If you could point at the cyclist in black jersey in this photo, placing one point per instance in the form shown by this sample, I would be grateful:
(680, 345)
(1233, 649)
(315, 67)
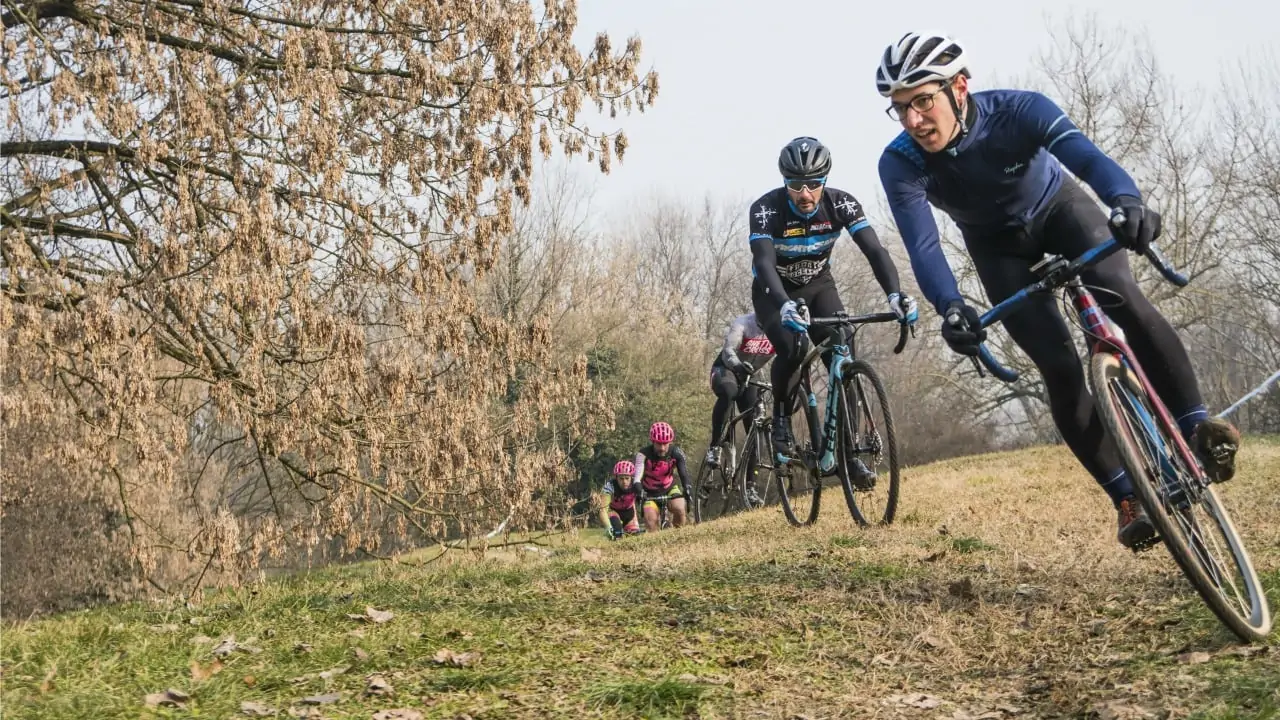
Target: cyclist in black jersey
(793, 229)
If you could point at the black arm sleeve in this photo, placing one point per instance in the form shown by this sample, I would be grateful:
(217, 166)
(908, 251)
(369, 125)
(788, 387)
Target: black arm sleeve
(682, 470)
(881, 261)
(765, 261)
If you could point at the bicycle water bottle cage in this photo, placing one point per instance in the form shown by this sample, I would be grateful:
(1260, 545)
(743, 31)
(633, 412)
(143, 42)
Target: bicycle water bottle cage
(1049, 266)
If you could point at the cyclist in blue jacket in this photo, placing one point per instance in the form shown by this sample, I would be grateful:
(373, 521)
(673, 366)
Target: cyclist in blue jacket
(993, 161)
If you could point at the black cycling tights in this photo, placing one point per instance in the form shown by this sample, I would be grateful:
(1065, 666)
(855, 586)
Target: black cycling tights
(823, 300)
(727, 389)
(1070, 225)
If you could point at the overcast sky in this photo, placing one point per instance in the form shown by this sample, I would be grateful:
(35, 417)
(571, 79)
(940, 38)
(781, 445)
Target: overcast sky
(739, 78)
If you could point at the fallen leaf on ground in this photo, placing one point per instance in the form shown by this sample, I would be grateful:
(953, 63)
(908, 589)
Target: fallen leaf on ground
(256, 709)
(302, 648)
(168, 698)
(378, 685)
(306, 713)
(200, 673)
(397, 714)
(591, 554)
(334, 672)
(166, 628)
(373, 615)
(445, 656)
(360, 654)
(226, 647)
(1194, 658)
(934, 557)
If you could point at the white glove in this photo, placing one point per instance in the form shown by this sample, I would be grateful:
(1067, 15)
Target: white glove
(904, 306)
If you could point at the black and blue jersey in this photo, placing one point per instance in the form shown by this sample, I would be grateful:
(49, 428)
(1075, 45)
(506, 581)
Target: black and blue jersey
(803, 243)
(1001, 174)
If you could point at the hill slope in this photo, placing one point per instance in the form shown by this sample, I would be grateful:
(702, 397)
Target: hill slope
(1000, 593)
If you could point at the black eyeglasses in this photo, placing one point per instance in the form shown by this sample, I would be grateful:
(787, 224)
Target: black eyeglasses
(919, 103)
(800, 184)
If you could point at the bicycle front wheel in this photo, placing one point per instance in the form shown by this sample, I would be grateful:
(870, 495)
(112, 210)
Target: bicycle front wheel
(1183, 507)
(866, 436)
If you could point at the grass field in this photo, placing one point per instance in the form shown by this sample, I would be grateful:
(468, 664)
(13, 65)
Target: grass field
(999, 593)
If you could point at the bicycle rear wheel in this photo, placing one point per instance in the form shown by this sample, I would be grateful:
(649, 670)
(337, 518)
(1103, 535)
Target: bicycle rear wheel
(1184, 509)
(799, 486)
(866, 433)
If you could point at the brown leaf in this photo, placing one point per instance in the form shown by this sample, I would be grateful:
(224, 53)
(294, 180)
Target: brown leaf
(934, 557)
(378, 685)
(372, 615)
(326, 699)
(201, 673)
(166, 628)
(226, 647)
(360, 654)
(169, 698)
(445, 656)
(256, 709)
(302, 648)
(379, 616)
(398, 714)
(1194, 658)
(334, 672)
(250, 680)
(591, 555)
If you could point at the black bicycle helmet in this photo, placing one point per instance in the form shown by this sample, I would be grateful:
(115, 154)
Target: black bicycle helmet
(804, 158)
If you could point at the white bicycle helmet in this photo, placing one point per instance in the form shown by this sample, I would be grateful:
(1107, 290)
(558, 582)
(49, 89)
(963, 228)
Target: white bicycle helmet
(919, 58)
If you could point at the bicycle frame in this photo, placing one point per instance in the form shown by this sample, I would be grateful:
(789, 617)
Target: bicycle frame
(1056, 272)
(825, 443)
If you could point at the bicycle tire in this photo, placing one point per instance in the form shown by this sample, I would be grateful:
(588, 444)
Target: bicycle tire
(1128, 428)
(753, 470)
(698, 501)
(788, 475)
(883, 438)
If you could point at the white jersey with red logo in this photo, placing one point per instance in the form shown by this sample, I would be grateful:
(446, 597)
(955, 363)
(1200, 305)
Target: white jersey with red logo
(746, 342)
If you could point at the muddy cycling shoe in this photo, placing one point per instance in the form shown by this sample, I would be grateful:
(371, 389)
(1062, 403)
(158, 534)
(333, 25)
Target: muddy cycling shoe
(1134, 529)
(713, 457)
(783, 440)
(863, 477)
(1215, 442)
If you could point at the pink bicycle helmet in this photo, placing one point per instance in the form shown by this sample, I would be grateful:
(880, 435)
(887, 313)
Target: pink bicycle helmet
(662, 433)
(624, 467)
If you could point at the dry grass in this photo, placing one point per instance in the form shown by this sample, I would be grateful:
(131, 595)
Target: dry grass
(1000, 593)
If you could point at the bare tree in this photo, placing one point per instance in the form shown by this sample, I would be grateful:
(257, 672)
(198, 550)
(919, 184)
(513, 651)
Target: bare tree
(241, 240)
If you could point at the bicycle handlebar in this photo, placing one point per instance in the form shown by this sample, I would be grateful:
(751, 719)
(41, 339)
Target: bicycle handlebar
(1090, 257)
(881, 317)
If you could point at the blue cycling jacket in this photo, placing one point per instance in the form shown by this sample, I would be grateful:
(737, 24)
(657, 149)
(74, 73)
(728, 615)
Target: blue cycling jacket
(999, 176)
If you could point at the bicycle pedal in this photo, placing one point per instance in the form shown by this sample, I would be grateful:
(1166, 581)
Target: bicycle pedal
(1147, 544)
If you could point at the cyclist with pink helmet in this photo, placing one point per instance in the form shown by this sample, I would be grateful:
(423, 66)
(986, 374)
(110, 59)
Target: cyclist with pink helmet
(657, 465)
(623, 494)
